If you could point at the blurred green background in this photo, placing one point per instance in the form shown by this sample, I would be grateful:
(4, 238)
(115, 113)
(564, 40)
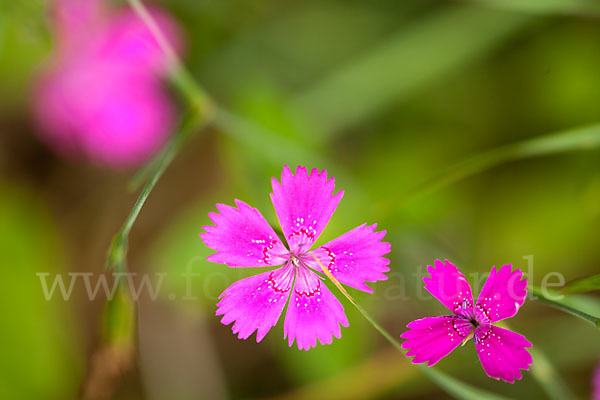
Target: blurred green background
(387, 96)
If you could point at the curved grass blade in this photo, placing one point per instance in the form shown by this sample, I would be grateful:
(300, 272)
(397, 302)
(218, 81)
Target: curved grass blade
(117, 254)
(179, 75)
(584, 8)
(583, 285)
(576, 139)
(539, 295)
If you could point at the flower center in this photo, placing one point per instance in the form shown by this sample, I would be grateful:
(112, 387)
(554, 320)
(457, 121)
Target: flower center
(295, 260)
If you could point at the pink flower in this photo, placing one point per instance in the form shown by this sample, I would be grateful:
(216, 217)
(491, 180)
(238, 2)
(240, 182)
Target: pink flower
(501, 352)
(101, 96)
(243, 238)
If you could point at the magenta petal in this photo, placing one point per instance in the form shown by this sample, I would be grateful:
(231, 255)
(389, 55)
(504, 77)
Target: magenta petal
(304, 204)
(125, 127)
(502, 352)
(502, 295)
(118, 120)
(355, 257)
(255, 303)
(433, 338)
(128, 40)
(313, 313)
(242, 238)
(450, 287)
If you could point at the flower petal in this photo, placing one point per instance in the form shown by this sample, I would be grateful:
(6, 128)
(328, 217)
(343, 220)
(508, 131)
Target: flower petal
(304, 204)
(314, 312)
(130, 41)
(502, 352)
(433, 338)
(450, 287)
(242, 238)
(355, 257)
(502, 295)
(122, 127)
(255, 303)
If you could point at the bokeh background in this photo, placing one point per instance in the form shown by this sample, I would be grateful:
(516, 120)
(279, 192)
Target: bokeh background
(387, 96)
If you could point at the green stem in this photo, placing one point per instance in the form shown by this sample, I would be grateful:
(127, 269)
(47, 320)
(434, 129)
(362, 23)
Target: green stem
(379, 328)
(118, 251)
(199, 115)
(180, 77)
(539, 295)
(582, 285)
(544, 7)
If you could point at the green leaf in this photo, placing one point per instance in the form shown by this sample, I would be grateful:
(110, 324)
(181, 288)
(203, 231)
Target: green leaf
(583, 285)
(543, 296)
(576, 7)
(575, 139)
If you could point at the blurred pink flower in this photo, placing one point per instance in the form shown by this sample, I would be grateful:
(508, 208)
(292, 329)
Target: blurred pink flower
(101, 95)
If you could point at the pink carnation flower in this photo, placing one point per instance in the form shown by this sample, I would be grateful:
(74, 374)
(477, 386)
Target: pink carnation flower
(502, 352)
(243, 238)
(101, 96)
